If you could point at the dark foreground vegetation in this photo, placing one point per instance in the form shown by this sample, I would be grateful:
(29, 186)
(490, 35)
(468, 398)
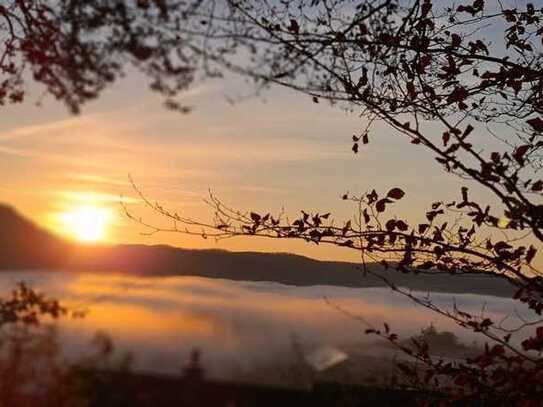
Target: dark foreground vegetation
(145, 391)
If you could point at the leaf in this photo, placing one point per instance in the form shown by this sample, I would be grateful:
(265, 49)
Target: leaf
(365, 139)
(396, 193)
(446, 137)
(401, 225)
(468, 130)
(495, 157)
(411, 90)
(530, 254)
(464, 194)
(502, 246)
(372, 196)
(537, 186)
(536, 123)
(346, 228)
(381, 205)
(315, 99)
(347, 243)
(294, 26)
(390, 225)
(520, 152)
(455, 40)
(497, 350)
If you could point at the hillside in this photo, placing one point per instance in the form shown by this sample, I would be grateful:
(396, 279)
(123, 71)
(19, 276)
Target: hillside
(25, 246)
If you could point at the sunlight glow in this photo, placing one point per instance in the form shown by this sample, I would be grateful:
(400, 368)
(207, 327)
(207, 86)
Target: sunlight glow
(87, 223)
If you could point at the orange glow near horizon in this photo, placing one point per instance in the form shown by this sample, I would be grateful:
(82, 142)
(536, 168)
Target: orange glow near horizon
(87, 223)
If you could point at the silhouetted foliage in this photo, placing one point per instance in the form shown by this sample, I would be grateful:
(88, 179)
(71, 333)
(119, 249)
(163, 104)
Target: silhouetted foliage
(463, 81)
(75, 49)
(26, 306)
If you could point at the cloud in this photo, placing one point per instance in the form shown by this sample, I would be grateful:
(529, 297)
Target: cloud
(93, 179)
(93, 197)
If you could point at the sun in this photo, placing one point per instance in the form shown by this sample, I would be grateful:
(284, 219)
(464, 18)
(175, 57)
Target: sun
(87, 223)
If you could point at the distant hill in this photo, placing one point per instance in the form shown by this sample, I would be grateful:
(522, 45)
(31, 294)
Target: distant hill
(25, 246)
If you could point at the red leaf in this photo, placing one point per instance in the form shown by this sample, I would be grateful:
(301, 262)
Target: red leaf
(390, 225)
(537, 186)
(294, 26)
(536, 123)
(468, 130)
(530, 254)
(366, 216)
(520, 152)
(401, 225)
(455, 40)
(446, 137)
(396, 193)
(380, 205)
(412, 93)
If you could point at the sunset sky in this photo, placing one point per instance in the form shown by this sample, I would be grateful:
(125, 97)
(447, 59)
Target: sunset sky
(262, 153)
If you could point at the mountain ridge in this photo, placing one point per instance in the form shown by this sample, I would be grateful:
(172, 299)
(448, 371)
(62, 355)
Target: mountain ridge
(23, 246)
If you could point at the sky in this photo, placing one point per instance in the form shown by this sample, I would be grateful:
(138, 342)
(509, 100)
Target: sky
(263, 153)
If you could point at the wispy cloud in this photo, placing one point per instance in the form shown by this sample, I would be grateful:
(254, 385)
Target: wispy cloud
(93, 179)
(92, 197)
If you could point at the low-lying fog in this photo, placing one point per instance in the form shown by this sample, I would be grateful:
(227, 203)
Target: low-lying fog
(236, 325)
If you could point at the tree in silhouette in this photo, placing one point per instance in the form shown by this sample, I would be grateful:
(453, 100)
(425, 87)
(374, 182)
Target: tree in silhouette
(464, 82)
(76, 49)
